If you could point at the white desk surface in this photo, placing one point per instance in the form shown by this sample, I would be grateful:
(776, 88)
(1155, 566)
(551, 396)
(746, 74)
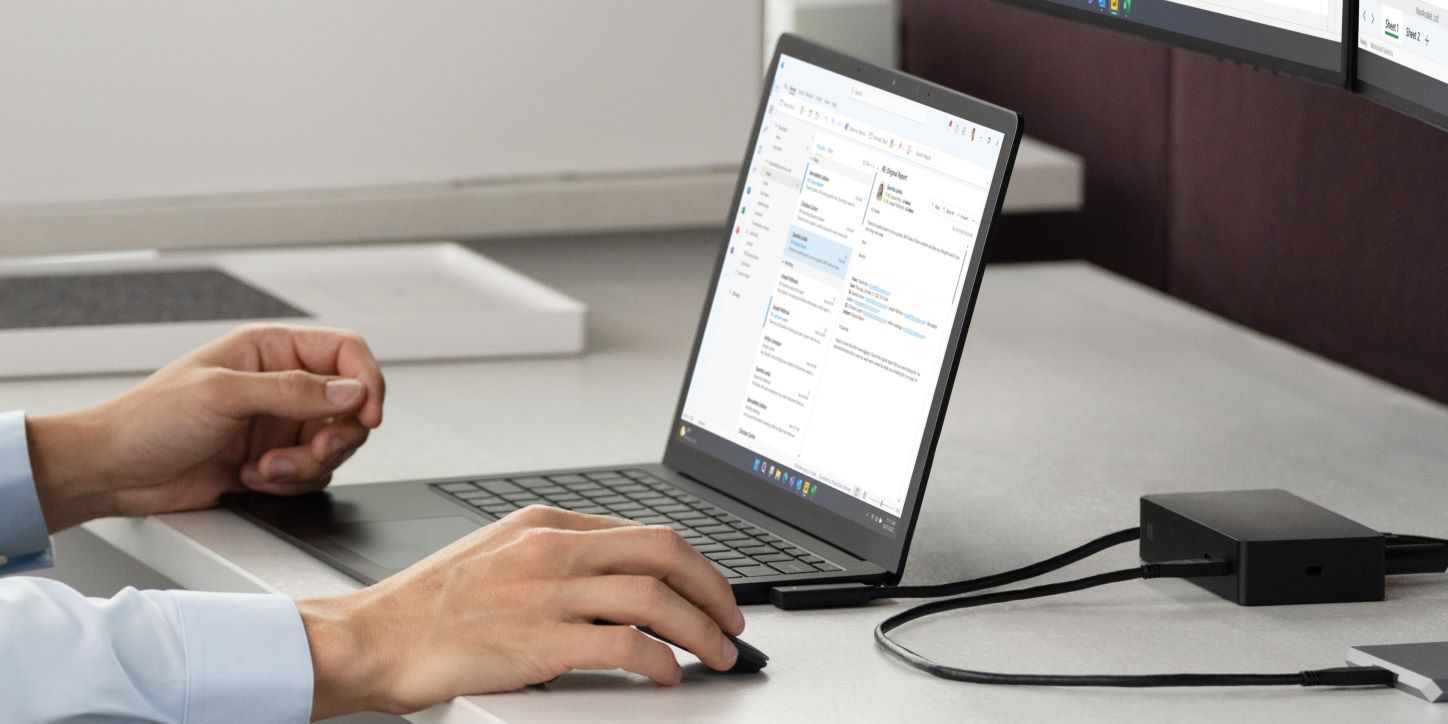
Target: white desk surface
(1078, 392)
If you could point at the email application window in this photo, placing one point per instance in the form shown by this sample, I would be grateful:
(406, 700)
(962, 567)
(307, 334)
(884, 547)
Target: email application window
(843, 278)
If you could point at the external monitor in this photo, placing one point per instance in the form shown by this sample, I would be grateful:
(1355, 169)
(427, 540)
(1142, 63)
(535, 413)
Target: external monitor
(1402, 56)
(1300, 37)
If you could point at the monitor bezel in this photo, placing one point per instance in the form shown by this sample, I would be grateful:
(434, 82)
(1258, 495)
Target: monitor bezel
(1260, 61)
(877, 547)
(1390, 99)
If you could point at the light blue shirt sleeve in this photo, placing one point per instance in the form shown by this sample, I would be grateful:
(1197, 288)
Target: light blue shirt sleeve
(162, 656)
(24, 542)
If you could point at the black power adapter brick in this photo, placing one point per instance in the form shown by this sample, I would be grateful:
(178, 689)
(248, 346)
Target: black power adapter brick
(1281, 549)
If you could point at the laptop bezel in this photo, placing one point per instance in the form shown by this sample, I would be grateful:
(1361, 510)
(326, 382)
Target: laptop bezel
(878, 548)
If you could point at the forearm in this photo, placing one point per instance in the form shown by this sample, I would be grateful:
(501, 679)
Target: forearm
(150, 656)
(64, 451)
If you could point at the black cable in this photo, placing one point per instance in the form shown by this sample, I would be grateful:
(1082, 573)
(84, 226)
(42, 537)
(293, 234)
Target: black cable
(1414, 554)
(1350, 676)
(1020, 574)
(830, 595)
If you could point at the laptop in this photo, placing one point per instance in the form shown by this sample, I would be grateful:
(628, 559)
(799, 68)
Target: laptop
(823, 362)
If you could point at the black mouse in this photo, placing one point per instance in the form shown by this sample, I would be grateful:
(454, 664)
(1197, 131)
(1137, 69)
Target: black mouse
(750, 660)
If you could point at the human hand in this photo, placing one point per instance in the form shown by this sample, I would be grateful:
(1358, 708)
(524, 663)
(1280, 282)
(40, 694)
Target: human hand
(515, 604)
(271, 408)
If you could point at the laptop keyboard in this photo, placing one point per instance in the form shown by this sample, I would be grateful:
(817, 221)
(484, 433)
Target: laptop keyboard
(738, 548)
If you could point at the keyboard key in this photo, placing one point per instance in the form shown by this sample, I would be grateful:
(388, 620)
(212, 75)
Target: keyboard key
(457, 487)
(827, 566)
(740, 561)
(673, 508)
(728, 573)
(792, 567)
(499, 486)
(712, 529)
(811, 559)
(565, 498)
(474, 493)
(569, 478)
(516, 494)
(629, 488)
(636, 474)
(525, 502)
(678, 527)
(652, 500)
(786, 548)
(771, 538)
(655, 520)
(726, 537)
(774, 558)
(503, 509)
(610, 499)
(532, 482)
(484, 503)
(690, 517)
(592, 510)
(711, 548)
(550, 490)
(724, 556)
(752, 571)
(627, 508)
(604, 475)
(755, 550)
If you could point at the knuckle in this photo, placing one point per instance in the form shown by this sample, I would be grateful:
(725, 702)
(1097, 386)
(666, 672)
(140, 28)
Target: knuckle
(627, 645)
(293, 383)
(535, 514)
(660, 535)
(544, 540)
(650, 592)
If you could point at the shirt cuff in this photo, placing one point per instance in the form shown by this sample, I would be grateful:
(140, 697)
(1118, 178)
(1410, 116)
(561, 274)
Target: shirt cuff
(24, 540)
(246, 660)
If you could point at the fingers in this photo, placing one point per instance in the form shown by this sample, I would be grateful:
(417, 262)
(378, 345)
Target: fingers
(660, 553)
(646, 601)
(293, 394)
(330, 444)
(322, 351)
(542, 516)
(587, 646)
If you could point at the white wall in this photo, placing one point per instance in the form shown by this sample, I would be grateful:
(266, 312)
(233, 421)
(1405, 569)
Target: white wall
(113, 106)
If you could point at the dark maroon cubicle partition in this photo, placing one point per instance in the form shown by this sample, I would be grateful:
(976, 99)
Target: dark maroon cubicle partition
(1297, 209)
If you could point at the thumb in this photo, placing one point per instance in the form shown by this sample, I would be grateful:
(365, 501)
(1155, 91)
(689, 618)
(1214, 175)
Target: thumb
(293, 394)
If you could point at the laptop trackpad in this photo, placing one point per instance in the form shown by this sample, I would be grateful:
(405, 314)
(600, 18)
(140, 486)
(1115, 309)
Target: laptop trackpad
(397, 544)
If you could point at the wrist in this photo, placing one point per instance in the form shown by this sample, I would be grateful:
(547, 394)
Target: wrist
(67, 452)
(346, 671)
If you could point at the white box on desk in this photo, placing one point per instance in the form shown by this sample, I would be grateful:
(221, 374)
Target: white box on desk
(432, 301)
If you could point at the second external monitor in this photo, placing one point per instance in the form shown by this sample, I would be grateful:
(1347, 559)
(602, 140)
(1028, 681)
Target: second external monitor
(1402, 56)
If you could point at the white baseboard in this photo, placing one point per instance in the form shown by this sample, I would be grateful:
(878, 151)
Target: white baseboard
(502, 207)
(1046, 179)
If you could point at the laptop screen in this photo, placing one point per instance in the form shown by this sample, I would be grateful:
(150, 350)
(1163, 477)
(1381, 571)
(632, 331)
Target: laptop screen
(831, 318)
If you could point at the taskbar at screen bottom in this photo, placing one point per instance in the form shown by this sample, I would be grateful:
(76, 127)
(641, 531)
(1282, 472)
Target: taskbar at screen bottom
(769, 472)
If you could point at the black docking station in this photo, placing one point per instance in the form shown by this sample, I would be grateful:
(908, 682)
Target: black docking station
(1282, 549)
